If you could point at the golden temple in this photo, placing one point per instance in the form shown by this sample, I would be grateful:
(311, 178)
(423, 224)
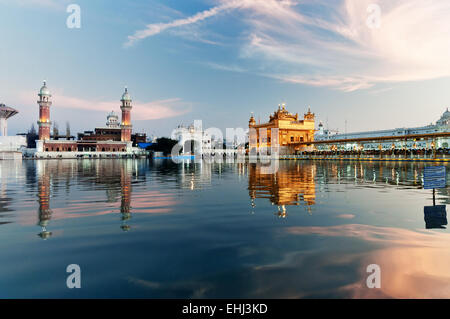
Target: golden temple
(291, 132)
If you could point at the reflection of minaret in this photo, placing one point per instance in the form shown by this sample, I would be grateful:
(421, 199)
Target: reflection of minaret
(45, 212)
(125, 183)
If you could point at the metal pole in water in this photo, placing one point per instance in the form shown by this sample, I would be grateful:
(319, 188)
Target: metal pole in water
(434, 197)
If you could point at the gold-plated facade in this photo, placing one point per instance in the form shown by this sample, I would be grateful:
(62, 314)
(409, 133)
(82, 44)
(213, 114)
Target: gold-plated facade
(292, 132)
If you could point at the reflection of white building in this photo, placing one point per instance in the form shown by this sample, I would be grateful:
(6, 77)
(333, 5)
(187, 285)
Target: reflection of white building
(442, 125)
(192, 139)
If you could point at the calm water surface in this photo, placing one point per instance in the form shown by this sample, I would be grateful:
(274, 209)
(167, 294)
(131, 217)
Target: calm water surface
(165, 230)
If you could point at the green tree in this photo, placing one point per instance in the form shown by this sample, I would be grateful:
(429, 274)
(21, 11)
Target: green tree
(164, 145)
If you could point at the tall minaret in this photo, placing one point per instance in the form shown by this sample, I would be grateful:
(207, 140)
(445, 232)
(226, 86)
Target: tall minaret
(44, 113)
(252, 121)
(126, 117)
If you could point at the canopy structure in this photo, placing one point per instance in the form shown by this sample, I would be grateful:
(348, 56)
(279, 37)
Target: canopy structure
(5, 113)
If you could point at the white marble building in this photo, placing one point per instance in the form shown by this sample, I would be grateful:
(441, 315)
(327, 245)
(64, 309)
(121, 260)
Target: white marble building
(192, 139)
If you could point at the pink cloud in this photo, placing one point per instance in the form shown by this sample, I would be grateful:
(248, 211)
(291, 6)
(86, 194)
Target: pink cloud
(346, 216)
(141, 110)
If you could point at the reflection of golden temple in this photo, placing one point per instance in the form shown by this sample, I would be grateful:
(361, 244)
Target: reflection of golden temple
(290, 185)
(282, 211)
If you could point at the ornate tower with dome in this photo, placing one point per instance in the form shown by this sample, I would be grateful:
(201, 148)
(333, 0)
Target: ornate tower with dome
(44, 122)
(252, 121)
(445, 119)
(113, 140)
(112, 120)
(126, 116)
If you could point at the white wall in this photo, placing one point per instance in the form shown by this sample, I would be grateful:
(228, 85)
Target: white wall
(12, 143)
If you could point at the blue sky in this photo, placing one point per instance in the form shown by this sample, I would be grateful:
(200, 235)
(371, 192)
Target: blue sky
(219, 60)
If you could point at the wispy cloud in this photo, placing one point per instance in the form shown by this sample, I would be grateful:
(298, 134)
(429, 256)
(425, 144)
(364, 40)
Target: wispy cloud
(223, 67)
(225, 6)
(141, 110)
(329, 43)
(346, 83)
(153, 29)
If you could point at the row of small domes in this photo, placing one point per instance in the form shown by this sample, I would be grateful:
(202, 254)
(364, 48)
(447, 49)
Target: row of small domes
(46, 92)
